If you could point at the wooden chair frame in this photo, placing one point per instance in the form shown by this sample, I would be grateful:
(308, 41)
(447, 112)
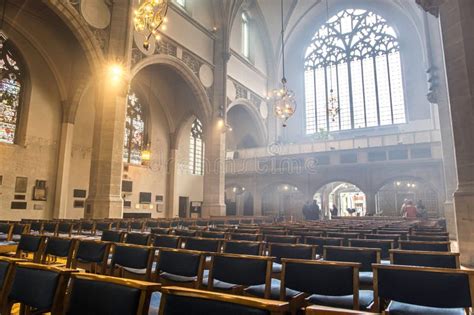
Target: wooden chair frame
(260, 250)
(123, 273)
(93, 265)
(239, 289)
(273, 307)
(376, 267)
(417, 252)
(146, 288)
(36, 255)
(195, 284)
(427, 243)
(44, 256)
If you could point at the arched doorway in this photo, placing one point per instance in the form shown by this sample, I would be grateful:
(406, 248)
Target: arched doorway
(349, 199)
(248, 130)
(282, 200)
(390, 197)
(238, 201)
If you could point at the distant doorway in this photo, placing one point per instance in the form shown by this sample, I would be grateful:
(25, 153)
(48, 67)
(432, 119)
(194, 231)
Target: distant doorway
(183, 207)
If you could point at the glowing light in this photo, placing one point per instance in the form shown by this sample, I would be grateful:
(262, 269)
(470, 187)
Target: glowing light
(116, 72)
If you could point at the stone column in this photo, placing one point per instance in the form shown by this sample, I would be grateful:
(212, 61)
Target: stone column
(172, 175)
(458, 39)
(64, 163)
(214, 170)
(104, 200)
(371, 207)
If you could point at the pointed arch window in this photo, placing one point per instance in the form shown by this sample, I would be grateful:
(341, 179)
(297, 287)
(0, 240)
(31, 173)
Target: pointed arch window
(135, 131)
(245, 35)
(11, 91)
(196, 149)
(361, 52)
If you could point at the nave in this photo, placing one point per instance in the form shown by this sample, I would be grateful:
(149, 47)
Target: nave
(262, 265)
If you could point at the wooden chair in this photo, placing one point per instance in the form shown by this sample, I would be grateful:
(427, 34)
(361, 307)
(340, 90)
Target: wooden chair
(245, 237)
(426, 246)
(243, 247)
(58, 247)
(102, 226)
(94, 294)
(423, 258)
(326, 310)
(233, 273)
(64, 229)
(7, 265)
(132, 261)
(321, 242)
(384, 245)
(428, 238)
(282, 239)
(167, 241)
(393, 237)
(345, 236)
(180, 267)
(203, 244)
(365, 256)
(91, 256)
(177, 300)
(422, 290)
(36, 227)
(87, 228)
(160, 231)
(296, 251)
(185, 233)
(38, 288)
(327, 283)
(50, 228)
(137, 226)
(30, 244)
(18, 230)
(6, 231)
(138, 238)
(208, 234)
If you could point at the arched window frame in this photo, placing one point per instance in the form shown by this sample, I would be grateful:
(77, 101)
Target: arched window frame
(13, 69)
(345, 50)
(181, 3)
(245, 35)
(196, 148)
(135, 121)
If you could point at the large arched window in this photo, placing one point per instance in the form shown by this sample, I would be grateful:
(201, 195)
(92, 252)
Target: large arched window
(135, 131)
(196, 149)
(359, 53)
(245, 35)
(11, 90)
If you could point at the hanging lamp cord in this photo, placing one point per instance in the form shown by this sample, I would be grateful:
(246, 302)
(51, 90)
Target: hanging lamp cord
(283, 79)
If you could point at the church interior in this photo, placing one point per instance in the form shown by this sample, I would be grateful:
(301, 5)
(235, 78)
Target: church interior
(236, 156)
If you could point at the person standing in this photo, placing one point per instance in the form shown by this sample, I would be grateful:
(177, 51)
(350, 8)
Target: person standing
(334, 211)
(307, 210)
(410, 210)
(402, 209)
(421, 210)
(315, 211)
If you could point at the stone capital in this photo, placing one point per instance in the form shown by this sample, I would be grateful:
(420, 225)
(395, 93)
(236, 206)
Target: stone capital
(431, 6)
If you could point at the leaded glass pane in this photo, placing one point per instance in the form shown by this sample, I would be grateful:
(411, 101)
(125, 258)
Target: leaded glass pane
(134, 140)
(196, 148)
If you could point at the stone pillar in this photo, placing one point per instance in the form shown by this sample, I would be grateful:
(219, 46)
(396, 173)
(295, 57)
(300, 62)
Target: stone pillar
(214, 170)
(458, 39)
(370, 203)
(104, 200)
(172, 175)
(438, 94)
(257, 202)
(62, 177)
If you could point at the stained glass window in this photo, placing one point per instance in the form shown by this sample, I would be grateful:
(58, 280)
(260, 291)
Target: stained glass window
(196, 149)
(11, 88)
(245, 35)
(355, 54)
(135, 131)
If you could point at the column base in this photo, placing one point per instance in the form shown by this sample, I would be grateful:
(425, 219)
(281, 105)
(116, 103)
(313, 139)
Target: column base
(211, 210)
(104, 208)
(464, 207)
(450, 217)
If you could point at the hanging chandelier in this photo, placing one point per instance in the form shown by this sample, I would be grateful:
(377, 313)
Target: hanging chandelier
(284, 98)
(149, 17)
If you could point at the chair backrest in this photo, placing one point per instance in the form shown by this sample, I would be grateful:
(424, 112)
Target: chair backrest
(321, 242)
(132, 256)
(111, 295)
(102, 226)
(345, 236)
(37, 286)
(321, 277)
(59, 247)
(19, 229)
(244, 270)
(36, 226)
(273, 232)
(365, 256)
(168, 241)
(245, 236)
(203, 244)
(440, 287)
(65, 228)
(186, 263)
(6, 229)
(426, 246)
(427, 259)
(112, 236)
(177, 300)
(7, 265)
(296, 251)
(92, 253)
(208, 234)
(161, 231)
(429, 238)
(50, 228)
(31, 244)
(136, 226)
(243, 247)
(124, 225)
(182, 232)
(384, 245)
(282, 239)
(138, 239)
(87, 227)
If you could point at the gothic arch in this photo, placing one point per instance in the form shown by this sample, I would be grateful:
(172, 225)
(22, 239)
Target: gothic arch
(254, 114)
